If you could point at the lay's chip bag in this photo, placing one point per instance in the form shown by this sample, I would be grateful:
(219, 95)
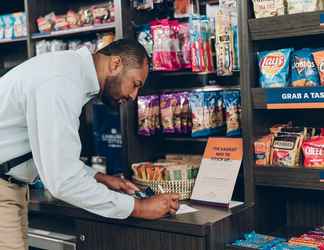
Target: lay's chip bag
(303, 69)
(274, 68)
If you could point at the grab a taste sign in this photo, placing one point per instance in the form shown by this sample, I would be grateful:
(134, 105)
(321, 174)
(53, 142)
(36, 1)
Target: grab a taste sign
(295, 98)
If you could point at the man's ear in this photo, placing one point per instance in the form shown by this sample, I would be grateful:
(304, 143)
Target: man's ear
(115, 65)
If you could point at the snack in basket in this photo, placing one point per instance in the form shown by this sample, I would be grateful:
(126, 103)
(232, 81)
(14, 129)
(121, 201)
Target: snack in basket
(274, 68)
(319, 61)
(268, 8)
(304, 72)
(313, 150)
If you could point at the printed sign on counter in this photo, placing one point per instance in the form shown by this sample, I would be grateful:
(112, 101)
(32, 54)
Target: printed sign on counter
(295, 98)
(218, 171)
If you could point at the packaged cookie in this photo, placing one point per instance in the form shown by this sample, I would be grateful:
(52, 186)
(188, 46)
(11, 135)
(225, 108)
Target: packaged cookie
(313, 150)
(196, 100)
(274, 68)
(232, 102)
(285, 151)
(268, 8)
(319, 61)
(303, 71)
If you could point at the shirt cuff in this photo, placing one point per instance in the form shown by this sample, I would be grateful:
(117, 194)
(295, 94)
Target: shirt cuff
(125, 206)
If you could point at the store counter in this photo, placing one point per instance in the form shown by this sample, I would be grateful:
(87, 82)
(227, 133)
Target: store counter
(208, 228)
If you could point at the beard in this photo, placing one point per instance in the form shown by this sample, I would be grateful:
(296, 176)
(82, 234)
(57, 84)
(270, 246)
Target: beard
(111, 94)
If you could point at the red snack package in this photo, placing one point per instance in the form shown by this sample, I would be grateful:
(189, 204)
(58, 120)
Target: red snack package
(313, 149)
(166, 45)
(61, 23)
(73, 19)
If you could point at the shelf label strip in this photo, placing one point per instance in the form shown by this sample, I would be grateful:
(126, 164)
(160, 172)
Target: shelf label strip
(295, 98)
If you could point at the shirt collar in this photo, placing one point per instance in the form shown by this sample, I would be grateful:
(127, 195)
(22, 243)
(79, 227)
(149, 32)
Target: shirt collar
(91, 83)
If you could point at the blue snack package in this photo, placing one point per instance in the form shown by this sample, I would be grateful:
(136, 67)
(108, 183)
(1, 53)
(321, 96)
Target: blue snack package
(213, 112)
(303, 69)
(274, 68)
(196, 103)
(287, 246)
(258, 241)
(232, 103)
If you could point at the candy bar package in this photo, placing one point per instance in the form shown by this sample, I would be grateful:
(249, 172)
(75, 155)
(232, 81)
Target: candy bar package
(184, 42)
(258, 241)
(144, 37)
(196, 100)
(274, 68)
(319, 61)
(304, 71)
(183, 8)
(166, 49)
(232, 100)
(268, 8)
(213, 112)
(313, 150)
(301, 6)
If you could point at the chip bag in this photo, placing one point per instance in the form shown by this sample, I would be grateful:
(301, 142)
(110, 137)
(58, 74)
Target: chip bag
(304, 72)
(274, 68)
(319, 61)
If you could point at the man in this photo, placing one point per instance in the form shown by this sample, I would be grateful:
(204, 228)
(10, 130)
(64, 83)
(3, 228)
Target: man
(40, 105)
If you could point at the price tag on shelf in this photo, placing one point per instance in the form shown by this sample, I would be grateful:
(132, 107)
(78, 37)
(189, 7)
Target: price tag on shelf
(295, 98)
(218, 171)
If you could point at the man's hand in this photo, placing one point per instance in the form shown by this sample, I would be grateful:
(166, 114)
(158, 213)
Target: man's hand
(116, 183)
(156, 207)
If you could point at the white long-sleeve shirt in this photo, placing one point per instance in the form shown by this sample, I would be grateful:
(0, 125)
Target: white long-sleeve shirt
(40, 105)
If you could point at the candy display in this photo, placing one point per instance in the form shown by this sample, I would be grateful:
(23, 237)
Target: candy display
(304, 72)
(13, 26)
(93, 15)
(274, 68)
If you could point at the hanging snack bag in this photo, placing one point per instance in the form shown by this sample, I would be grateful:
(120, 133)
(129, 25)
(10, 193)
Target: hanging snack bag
(186, 123)
(184, 41)
(319, 61)
(313, 150)
(168, 103)
(143, 115)
(196, 43)
(268, 8)
(232, 102)
(213, 112)
(274, 68)
(304, 71)
(144, 37)
(196, 100)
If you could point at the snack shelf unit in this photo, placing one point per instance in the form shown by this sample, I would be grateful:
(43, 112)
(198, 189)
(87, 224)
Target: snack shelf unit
(20, 39)
(283, 197)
